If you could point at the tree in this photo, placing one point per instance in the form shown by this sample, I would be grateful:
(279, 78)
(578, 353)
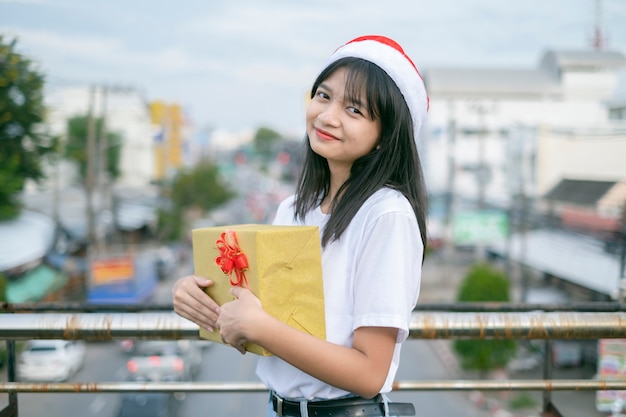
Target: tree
(484, 283)
(622, 237)
(199, 188)
(3, 287)
(3, 297)
(23, 144)
(264, 140)
(76, 147)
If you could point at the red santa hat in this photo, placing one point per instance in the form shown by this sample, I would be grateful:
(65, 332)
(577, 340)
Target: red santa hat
(390, 57)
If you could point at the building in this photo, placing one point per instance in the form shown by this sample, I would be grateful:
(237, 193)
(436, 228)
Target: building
(595, 207)
(125, 112)
(617, 108)
(490, 130)
(171, 131)
(528, 142)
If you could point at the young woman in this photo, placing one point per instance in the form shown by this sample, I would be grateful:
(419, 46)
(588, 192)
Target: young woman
(362, 184)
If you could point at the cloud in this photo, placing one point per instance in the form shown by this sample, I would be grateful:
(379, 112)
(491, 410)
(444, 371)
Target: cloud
(238, 63)
(26, 1)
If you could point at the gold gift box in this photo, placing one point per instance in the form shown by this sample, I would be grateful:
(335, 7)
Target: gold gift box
(284, 272)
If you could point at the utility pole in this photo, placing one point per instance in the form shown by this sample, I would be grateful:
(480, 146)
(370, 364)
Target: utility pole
(449, 219)
(89, 187)
(56, 190)
(599, 40)
(523, 246)
(91, 174)
(622, 264)
(482, 173)
(103, 146)
(522, 201)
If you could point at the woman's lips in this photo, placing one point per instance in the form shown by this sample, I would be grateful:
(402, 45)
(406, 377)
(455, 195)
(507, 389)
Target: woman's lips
(324, 135)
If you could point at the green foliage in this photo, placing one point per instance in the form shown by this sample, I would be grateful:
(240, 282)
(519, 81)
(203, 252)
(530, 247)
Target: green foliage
(22, 144)
(522, 401)
(484, 283)
(3, 298)
(10, 186)
(3, 287)
(170, 224)
(76, 147)
(200, 187)
(264, 140)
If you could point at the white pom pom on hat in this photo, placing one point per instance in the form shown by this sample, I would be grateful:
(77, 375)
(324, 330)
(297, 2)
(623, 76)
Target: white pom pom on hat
(390, 57)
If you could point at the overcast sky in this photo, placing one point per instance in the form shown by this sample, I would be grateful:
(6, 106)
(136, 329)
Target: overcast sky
(248, 63)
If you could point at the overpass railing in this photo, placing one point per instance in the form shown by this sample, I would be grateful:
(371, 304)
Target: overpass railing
(586, 321)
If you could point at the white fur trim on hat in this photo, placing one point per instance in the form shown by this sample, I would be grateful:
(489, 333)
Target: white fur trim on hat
(390, 57)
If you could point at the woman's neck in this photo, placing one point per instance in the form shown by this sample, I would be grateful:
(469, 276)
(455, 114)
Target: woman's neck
(337, 179)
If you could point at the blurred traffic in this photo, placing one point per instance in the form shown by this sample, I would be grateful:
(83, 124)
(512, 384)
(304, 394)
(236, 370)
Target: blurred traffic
(524, 167)
(50, 360)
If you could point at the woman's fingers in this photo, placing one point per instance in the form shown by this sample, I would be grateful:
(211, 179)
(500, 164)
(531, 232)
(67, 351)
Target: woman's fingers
(191, 302)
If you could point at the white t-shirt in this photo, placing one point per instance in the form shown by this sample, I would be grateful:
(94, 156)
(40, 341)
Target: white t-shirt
(371, 277)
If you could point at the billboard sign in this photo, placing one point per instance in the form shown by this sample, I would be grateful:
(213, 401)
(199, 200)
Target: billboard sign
(480, 227)
(611, 367)
(111, 270)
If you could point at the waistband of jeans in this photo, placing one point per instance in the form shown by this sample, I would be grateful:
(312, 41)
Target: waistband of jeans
(344, 407)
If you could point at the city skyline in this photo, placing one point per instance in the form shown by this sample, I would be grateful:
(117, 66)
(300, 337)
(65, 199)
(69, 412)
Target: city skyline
(247, 64)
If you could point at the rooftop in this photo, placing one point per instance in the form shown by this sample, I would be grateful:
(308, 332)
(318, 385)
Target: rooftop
(574, 258)
(25, 239)
(580, 192)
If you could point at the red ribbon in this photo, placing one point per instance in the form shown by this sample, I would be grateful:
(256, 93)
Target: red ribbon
(231, 259)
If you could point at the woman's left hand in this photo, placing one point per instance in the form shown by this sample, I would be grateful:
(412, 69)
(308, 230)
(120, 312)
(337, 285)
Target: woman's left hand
(238, 318)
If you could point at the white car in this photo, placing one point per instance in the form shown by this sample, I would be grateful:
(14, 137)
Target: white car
(50, 360)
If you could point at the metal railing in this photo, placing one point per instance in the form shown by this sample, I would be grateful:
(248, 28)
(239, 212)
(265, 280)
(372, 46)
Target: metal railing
(458, 321)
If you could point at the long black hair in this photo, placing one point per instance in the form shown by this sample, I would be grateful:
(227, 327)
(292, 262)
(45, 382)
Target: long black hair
(394, 163)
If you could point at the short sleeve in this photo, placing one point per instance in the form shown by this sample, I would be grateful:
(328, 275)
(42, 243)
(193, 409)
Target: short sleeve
(388, 272)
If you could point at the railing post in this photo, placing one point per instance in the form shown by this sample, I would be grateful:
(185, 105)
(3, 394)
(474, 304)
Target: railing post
(549, 410)
(11, 409)
(89, 323)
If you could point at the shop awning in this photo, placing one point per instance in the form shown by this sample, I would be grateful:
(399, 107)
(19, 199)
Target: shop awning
(35, 285)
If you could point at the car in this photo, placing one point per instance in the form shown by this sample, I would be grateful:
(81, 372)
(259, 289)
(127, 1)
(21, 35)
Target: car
(524, 363)
(50, 360)
(567, 353)
(166, 263)
(564, 353)
(203, 343)
(152, 404)
(128, 345)
(164, 360)
(526, 358)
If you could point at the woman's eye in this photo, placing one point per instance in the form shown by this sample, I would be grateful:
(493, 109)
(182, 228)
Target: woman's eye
(323, 95)
(354, 110)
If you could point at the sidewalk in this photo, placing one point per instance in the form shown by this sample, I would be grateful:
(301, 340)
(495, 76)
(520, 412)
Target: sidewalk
(441, 278)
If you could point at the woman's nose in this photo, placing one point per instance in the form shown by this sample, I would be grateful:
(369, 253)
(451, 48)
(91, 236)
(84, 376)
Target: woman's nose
(329, 115)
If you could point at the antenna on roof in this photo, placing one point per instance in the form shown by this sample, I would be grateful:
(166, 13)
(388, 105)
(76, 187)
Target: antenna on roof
(599, 40)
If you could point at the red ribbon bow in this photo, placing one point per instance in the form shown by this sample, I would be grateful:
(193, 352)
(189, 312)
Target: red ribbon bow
(232, 259)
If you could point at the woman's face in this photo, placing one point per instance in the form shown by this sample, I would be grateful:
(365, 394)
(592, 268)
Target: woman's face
(339, 129)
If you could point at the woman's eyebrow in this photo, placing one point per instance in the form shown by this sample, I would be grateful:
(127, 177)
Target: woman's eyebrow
(324, 86)
(355, 101)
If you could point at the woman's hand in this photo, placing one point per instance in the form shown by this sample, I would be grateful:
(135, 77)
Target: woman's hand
(239, 318)
(191, 302)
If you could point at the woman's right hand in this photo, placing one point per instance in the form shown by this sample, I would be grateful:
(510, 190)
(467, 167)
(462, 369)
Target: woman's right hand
(191, 302)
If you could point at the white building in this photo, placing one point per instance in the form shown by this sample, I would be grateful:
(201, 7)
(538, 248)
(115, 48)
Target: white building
(494, 133)
(62, 196)
(125, 112)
